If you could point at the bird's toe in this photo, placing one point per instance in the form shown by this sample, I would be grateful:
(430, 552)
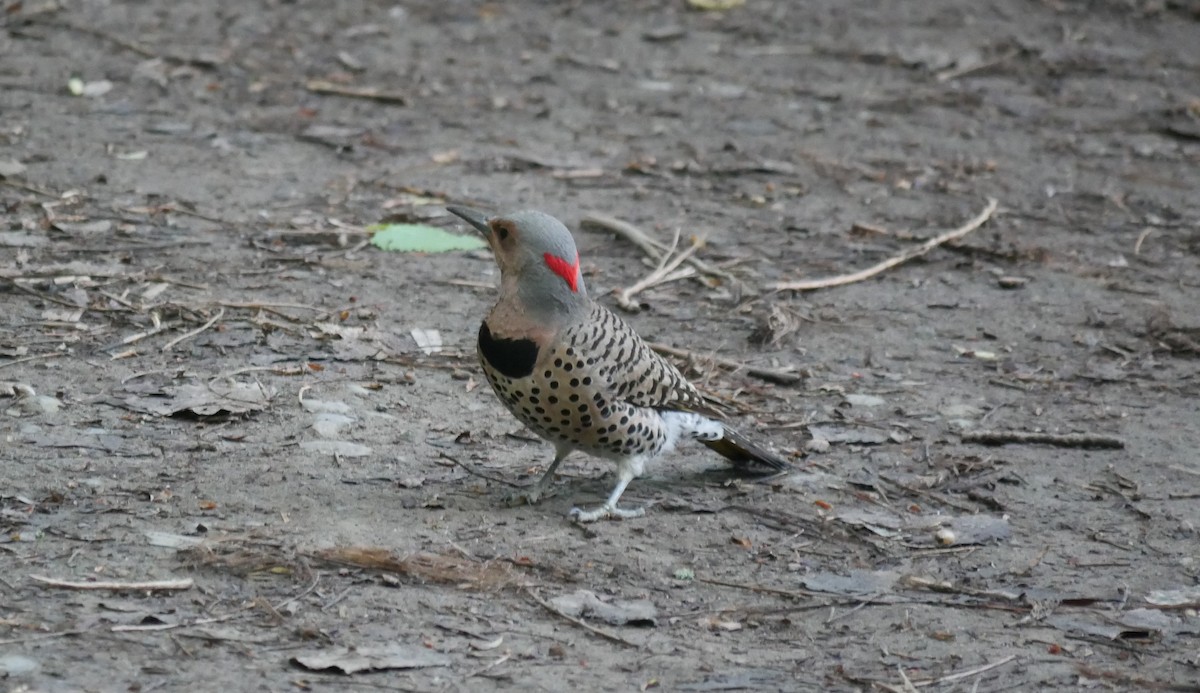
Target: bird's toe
(605, 512)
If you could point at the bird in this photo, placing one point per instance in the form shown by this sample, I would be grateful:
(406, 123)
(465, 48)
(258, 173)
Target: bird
(578, 375)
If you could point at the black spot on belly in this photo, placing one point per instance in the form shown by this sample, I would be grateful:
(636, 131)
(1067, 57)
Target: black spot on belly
(513, 358)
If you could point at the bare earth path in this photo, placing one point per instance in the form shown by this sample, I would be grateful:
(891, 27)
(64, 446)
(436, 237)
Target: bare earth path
(209, 381)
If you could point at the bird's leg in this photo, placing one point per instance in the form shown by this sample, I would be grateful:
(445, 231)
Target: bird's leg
(626, 472)
(530, 495)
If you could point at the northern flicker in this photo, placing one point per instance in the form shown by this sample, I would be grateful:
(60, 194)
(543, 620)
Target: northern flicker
(579, 376)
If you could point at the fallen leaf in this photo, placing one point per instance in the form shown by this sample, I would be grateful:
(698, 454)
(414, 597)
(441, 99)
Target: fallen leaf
(418, 238)
(856, 582)
(1174, 598)
(428, 341)
(715, 5)
(11, 167)
(636, 612)
(201, 400)
(854, 435)
(342, 448)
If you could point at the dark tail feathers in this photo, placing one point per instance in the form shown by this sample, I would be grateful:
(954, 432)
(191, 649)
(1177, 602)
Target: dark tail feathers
(734, 447)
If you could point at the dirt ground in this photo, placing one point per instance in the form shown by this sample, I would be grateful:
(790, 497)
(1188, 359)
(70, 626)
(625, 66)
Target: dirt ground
(209, 381)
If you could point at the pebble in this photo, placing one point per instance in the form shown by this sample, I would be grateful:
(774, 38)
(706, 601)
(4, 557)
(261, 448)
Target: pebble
(17, 665)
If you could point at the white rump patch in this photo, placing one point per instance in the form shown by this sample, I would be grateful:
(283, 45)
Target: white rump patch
(682, 424)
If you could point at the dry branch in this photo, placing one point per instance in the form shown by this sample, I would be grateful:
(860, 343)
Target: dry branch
(654, 249)
(148, 586)
(192, 333)
(843, 279)
(667, 271)
(1062, 440)
(318, 86)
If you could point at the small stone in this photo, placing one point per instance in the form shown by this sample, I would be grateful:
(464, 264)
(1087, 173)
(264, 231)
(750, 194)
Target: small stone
(17, 665)
(1008, 282)
(817, 445)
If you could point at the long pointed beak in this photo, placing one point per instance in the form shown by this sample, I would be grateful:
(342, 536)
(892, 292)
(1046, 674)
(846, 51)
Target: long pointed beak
(473, 217)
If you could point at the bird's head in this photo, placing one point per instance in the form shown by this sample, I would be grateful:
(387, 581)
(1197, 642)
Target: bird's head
(536, 254)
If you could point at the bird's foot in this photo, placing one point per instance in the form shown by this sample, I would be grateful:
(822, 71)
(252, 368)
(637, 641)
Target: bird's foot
(530, 495)
(605, 512)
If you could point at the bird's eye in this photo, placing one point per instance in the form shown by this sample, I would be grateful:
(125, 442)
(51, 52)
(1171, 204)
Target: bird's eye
(502, 233)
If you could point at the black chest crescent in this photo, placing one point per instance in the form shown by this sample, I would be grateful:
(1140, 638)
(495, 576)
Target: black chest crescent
(512, 358)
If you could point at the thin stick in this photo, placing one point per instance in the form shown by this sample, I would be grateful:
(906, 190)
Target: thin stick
(488, 667)
(1063, 440)
(783, 377)
(44, 636)
(968, 673)
(481, 475)
(653, 248)
(141, 335)
(318, 86)
(794, 594)
(188, 335)
(138, 628)
(665, 272)
(843, 279)
(962, 70)
(22, 185)
(858, 607)
(611, 637)
(131, 46)
(35, 357)
(264, 304)
(1137, 247)
(149, 586)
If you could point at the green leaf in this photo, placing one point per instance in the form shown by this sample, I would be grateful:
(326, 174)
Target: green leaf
(418, 238)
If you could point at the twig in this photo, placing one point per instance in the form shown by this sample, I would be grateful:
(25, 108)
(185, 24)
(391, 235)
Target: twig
(35, 357)
(44, 636)
(188, 335)
(139, 627)
(45, 297)
(319, 86)
(1064, 440)
(481, 475)
(966, 674)
(488, 667)
(794, 594)
(611, 637)
(653, 249)
(141, 335)
(135, 627)
(843, 279)
(132, 46)
(665, 272)
(149, 586)
(857, 607)
(22, 185)
(782, 377)
(962, 70)
(1137, 247)
(1117, 677)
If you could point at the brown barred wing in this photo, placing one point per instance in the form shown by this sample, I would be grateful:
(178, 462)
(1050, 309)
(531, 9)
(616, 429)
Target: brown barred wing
(634, 372)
